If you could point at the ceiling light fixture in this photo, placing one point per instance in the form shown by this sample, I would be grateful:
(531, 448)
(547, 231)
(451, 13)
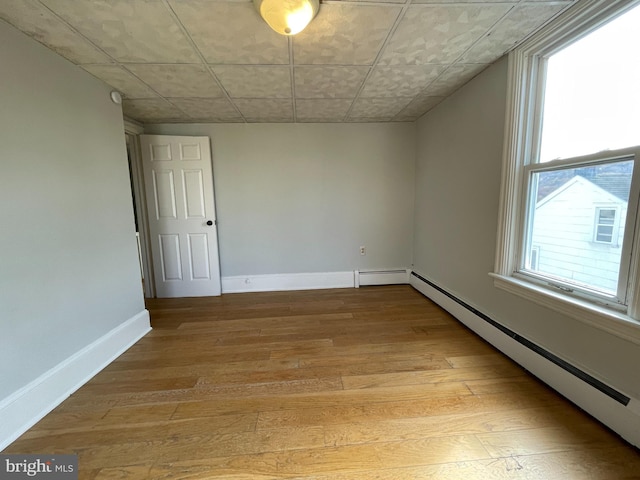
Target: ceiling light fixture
(287, 17)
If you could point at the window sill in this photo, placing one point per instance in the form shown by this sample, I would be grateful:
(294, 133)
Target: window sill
(615, 323)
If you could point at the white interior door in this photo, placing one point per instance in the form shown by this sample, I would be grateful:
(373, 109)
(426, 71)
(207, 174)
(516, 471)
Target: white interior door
(178, 182)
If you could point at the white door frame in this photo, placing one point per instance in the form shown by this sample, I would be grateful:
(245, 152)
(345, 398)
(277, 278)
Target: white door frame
(133, 132)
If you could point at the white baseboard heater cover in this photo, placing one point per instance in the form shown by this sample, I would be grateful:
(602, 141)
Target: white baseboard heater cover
(396, 276)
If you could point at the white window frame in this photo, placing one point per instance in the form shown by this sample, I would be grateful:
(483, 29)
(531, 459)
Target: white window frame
(522, 129)
(618, 300)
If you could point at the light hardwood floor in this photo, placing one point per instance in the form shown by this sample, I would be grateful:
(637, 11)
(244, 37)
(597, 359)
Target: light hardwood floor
(376, 383)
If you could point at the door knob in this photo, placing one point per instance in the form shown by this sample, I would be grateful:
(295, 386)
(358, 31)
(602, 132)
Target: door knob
(209, 222)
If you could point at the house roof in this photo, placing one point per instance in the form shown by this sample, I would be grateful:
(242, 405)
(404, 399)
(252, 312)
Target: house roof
(617, 184)
(217, 61)
(579, 180)
(613, 178)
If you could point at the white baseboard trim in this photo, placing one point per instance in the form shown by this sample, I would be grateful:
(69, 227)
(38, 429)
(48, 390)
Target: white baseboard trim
(624, 420)
(287, 281)
(25, 407)
(397, 276)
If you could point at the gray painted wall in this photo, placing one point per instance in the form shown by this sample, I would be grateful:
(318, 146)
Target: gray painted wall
(296, 198)
(458, 168)
(68, 256)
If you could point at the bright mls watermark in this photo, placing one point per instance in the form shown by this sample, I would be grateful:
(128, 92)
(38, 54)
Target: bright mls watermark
(52, 467)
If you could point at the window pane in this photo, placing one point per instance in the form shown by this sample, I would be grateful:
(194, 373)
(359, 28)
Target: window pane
(606, 216)
(592, 93)
(577, 218)
(605, 235)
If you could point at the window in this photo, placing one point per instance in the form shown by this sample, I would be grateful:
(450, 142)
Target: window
(605, 225)
(560, 206)
(569, 205)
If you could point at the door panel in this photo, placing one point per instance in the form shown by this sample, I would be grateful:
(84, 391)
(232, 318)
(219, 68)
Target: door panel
(199, 255)
(193, 193)
(164, 194)
(179, 189)
(170, 257)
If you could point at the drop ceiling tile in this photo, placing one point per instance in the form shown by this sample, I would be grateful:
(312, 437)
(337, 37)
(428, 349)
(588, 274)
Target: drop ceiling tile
(329, 82)
(374, 1)
(208, 109)
(345, 34)
(417, 107)
(378, 107)
(265, 109)
(521, 21)
(231, 33)
(322, 109)
(135, 31)
(439, 33)
(152, 110)
(121, 80)
(466, 1)
(38, 22)
(178, 80)
(400, 81)
(255, 81)
(368, 119)
(453, 78)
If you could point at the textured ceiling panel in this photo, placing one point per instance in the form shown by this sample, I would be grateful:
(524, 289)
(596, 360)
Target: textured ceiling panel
(231, 33)
(466, 1)
(218, 109)
(453, 78)
(254, 81)
(522, 21)
(322, 109)
(329, 82)
(178, 80)
(418, 105)
(400, 81)
(122, 80)
(440, 34)
(218, 61)
(129, 30)
(378, 107)
(153, 110)
(266, 109)
(37, 21)
(369, 1)
(344, 34)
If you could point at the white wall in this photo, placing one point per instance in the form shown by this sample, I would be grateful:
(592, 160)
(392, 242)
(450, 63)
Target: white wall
(459, 155)
(68, 261)
(297, 198)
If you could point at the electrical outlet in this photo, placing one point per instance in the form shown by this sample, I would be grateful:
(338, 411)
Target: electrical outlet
(363, 251)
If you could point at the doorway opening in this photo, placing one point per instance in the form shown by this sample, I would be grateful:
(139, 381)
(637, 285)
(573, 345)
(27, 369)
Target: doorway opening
(139, 213)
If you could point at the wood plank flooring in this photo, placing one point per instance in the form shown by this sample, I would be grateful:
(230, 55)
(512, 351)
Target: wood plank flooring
(372, 383)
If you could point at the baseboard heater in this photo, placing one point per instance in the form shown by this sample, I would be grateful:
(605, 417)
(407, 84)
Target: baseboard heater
(594, 382)
(396, 276)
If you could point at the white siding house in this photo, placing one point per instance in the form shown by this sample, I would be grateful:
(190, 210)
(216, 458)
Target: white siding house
(577, 234)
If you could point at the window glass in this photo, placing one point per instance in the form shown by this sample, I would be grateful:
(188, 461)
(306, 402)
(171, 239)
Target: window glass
(592, 92)
(577, 223)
